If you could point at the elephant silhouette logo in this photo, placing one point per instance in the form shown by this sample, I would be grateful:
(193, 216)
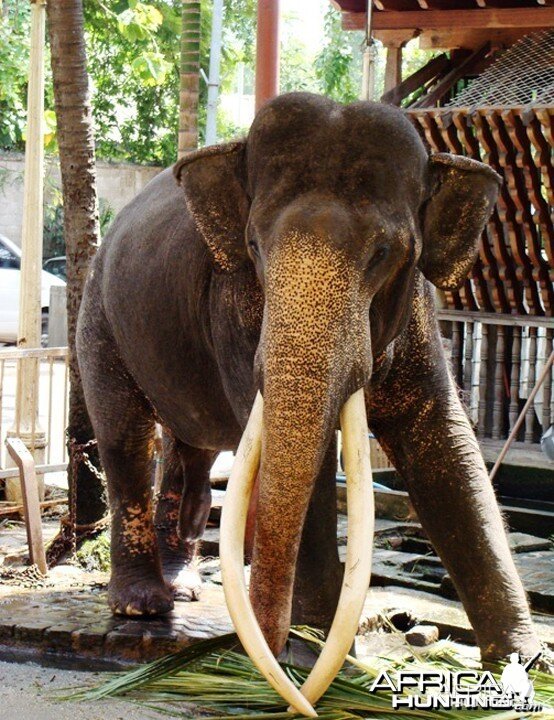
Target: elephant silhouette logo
(515, 679)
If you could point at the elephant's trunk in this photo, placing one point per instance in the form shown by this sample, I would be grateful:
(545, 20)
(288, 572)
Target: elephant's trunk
(312, 342)
(307, 355)
(296, 428)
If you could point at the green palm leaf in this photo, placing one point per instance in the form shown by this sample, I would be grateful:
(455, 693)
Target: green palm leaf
(220, 682)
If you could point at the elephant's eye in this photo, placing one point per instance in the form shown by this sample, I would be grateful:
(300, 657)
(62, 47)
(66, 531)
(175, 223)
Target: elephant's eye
(253, 245)
(380, 254)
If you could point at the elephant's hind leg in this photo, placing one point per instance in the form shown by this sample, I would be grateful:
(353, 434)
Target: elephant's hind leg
(123, 424)
(182, 511)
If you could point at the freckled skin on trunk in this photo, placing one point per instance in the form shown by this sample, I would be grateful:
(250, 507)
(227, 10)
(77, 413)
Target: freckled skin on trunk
(318, 577)
(306, 369)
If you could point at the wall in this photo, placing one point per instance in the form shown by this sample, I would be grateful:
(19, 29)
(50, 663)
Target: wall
(117, 184)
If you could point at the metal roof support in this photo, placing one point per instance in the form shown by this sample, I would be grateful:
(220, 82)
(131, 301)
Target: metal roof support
(267, 51)
(369, 58)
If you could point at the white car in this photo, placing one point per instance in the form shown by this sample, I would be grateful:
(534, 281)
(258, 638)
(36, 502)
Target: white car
(10, 273)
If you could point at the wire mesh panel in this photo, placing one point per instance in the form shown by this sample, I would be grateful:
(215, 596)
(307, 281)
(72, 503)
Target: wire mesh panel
(522, 75)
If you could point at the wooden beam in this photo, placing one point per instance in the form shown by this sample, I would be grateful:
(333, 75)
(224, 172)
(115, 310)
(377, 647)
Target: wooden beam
(434, 67)
(467, 38)
(10, 509)
(461, 69)
(31, 503)
(539, 17)
(489, 318)
(397, 37)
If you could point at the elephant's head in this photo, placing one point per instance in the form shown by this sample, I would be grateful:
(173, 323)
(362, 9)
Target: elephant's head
(337, 207)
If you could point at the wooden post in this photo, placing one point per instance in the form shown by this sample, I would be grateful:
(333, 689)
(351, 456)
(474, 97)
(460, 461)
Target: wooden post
(29, 333)
(267, 51)
(513, 411)
(483, 381)
(530, 417)
(547, 396)
(30, 496)
(393, 67)
(499, 384)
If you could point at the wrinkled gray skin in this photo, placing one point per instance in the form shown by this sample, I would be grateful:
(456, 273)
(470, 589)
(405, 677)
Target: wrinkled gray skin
(300, 262)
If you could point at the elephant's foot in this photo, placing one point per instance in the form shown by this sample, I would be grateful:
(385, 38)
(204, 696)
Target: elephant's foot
(184, 580)
(179, 571)
(526, 644)
(147, 596)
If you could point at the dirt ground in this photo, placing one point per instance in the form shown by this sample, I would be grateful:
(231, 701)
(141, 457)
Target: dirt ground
(27, 692)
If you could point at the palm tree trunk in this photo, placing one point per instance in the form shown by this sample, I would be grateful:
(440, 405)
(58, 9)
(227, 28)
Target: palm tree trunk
(81, 228)
(190, 80)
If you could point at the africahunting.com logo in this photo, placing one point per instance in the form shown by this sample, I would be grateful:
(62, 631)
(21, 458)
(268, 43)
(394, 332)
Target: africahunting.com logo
(463, 689)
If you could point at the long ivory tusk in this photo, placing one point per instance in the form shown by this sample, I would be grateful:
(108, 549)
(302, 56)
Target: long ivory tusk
(233, 523)
(357, 571)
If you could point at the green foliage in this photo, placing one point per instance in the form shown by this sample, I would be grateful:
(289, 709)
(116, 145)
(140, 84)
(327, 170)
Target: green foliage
(53, 243)
(239, 33)
(134, 63)
(106, 215)
(238, 47)
(53, 237)
(133, 55)
(338, 66)
(14, 59)
(296, 73)
(222, 683)
(95, 554)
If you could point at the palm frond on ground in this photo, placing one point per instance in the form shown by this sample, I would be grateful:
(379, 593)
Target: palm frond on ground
(219, 682)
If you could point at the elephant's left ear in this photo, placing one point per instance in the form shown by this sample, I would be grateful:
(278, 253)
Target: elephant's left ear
(464, 193)
(214, 180)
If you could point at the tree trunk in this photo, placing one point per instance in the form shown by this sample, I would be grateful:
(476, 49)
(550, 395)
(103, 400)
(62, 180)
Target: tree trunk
(81, 227)
(190, 80)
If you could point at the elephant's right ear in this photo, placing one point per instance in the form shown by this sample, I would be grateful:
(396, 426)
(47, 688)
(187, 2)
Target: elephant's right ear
(214, 180)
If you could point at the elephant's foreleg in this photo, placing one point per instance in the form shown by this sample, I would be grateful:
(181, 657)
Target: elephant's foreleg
(124, 428)
(434, 448)
(182, 511)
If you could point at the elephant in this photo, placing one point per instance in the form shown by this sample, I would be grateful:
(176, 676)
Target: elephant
(301, 263)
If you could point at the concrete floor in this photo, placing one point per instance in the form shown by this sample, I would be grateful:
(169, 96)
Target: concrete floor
(28, 691)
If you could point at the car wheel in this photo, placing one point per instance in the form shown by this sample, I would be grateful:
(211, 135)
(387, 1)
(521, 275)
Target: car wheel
(44, 329)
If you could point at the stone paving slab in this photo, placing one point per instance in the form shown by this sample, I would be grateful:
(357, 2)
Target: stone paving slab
(75, 627)
(448, 615)
(65, 620)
